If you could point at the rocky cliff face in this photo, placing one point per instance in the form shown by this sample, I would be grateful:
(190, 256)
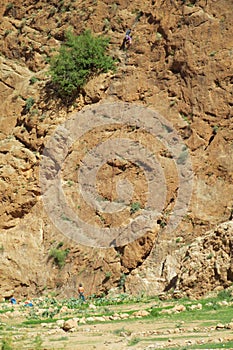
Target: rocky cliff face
(180, 65)
(208, 263)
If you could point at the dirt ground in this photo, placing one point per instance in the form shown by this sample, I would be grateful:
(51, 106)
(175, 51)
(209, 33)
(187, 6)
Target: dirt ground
(137, 333)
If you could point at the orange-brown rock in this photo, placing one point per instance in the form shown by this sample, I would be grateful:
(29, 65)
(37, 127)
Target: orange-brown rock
(180, 65)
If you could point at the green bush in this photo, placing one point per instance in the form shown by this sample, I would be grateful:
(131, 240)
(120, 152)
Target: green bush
(29, 103)
(135, 206)
(79, 58)
(59, 256)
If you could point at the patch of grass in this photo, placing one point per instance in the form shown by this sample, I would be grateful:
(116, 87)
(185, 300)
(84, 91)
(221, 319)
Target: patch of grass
(154, 312)
(208, 346)
(215, 313)
(7, 343)
(134, 341)
(38, 343)
(36, 322)
(60, 339)
(6, 309)
(225, 294)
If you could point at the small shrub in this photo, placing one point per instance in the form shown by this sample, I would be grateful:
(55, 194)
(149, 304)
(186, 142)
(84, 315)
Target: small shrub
(34, 112)
(9, 6)
(108, 274)
(121, 283)
(215, 129)
(225, 294)
(213, 53)
(29, 103)
(70, 183)
(33, 80)
(59, 256)
(8, 31)
(154, 312)
(135, 206)
(79, 58)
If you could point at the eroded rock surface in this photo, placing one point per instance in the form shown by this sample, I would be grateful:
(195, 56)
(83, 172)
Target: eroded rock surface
(180, 65)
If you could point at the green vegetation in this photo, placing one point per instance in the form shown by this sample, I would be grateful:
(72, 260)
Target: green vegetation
(7, 343)
(29, 103)
(135, 206)
(122, 330)
(59, 256)
(108, 274)
(33, 80)
(60, 339)
(79, 58)
(47, 310)
(209, 346)
(38, 343)
(215, 129)
(7, 31)
(121, 283)
(134, 341)
(9, 6)
(225, 294)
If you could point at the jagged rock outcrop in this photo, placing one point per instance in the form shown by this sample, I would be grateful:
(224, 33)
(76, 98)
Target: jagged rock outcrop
(208, 262)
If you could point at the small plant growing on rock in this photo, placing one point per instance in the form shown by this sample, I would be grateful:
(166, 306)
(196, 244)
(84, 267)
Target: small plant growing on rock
(59, 256)
(29, 103)
(9, 7)
(33, 80)
(135, 206)
(8, 31)
(108, 274)
(121, 283)
(79, 58)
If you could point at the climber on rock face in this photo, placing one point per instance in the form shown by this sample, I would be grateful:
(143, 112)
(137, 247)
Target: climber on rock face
(127, 40)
